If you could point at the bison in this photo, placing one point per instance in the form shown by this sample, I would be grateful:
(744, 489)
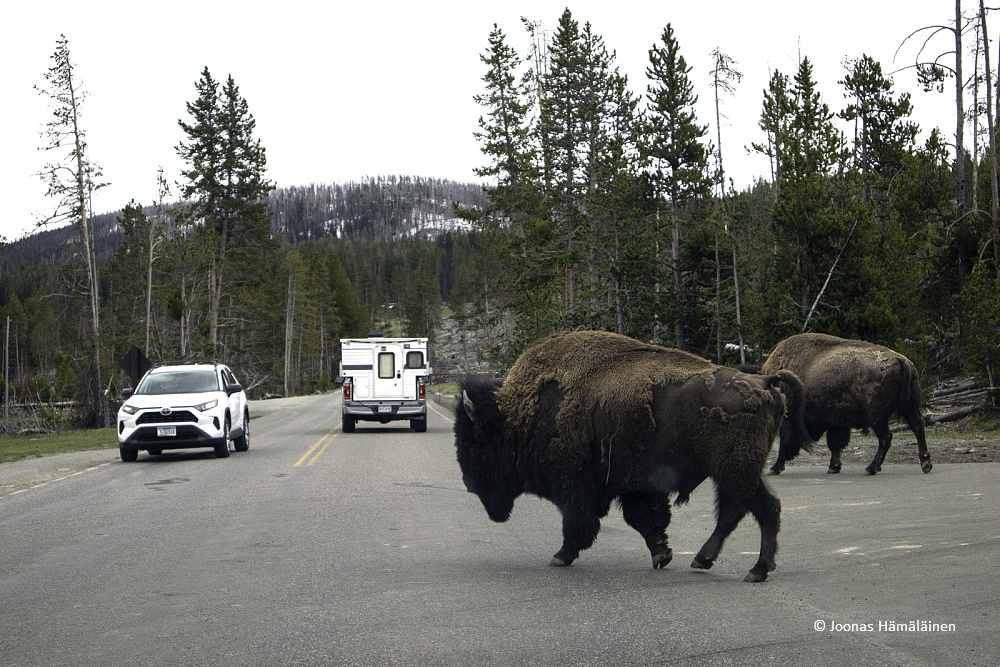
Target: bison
(587, 418)
(849, 384)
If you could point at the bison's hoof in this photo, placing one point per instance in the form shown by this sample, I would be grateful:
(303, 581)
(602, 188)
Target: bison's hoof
(560, 561)
(833, 471)
(871, 470)
(926, 466)
(755, 577)
(775, 471)
(661, 559)
(699, 564)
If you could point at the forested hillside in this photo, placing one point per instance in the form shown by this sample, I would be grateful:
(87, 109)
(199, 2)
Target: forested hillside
(383, 207)
(606, 208)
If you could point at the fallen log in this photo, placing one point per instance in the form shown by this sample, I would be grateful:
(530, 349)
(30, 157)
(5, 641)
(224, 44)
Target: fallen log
(931, 418)
(958, 396)
(954, 389)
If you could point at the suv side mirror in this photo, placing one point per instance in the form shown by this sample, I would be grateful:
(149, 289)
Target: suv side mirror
(233, 389)
(127, 393)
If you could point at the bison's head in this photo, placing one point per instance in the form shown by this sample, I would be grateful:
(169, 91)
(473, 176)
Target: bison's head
(485, 457)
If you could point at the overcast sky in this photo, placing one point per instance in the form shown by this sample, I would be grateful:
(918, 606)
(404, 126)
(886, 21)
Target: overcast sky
(344, 90)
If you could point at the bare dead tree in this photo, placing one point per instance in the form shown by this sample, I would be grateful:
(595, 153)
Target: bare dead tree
(992, 137)
(724, 77)
(932, 73)
(71, 182)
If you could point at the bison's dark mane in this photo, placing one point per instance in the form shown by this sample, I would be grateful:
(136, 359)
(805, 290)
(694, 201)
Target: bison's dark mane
(485, 460)
(481, 390)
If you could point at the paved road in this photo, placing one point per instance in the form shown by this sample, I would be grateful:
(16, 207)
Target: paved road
(322, 548)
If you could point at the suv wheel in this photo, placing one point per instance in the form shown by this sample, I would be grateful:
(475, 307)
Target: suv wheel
(242, 443)
(222, 449)
(128, 454)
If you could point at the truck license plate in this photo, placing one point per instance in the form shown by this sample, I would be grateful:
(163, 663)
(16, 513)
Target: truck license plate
(385, 408)
(166, 431)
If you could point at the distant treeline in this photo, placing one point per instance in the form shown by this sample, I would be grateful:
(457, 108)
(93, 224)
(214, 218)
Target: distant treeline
(381, 208)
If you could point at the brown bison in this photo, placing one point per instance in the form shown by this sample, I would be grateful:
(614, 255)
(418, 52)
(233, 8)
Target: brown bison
(849, 384)
(587, 418)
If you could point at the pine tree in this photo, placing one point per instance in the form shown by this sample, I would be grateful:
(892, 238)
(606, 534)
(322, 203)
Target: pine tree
(561, 133)
(811, 230)
(422, 302)
(775, 121)
(504, 131)
(678, 157)
(883, 135)
(226, 179)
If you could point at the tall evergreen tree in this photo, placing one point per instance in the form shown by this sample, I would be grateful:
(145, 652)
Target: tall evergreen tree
(226, 179)
(882, 135)
(809, 226)
(775, 121)
(674, 145)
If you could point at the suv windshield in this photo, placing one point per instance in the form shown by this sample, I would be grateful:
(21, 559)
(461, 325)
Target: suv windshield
(179, 382)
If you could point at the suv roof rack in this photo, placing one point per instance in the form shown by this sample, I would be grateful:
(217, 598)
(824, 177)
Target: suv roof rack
(187, 362)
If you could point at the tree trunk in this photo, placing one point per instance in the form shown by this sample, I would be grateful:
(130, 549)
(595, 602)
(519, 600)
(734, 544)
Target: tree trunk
(675, 258)
(99, 405)
(992, 140)
(960, 114)
(739, 316)
(289, 330)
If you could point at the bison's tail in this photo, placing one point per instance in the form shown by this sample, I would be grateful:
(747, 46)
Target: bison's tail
(795, 435)
(906, 377)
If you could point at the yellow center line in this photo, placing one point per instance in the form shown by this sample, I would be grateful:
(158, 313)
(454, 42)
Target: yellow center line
(312, 449)
(322, 449)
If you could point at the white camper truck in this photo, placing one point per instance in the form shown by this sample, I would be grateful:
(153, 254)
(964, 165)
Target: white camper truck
(385, 379)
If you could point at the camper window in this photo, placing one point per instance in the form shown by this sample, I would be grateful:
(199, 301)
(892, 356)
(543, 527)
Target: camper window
(386, 365)
(415, 359)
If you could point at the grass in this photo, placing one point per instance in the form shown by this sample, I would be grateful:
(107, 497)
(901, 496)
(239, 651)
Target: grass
(447, 392)
(15, 448)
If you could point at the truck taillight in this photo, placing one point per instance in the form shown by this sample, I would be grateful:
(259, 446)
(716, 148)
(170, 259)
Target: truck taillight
(347, 391)
(421, 390)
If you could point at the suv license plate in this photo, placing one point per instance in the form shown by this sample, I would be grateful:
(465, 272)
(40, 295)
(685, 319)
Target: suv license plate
(385, 408)
(166, 431)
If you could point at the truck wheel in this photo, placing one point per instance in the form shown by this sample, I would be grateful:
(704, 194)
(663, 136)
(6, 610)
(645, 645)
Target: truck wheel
(419, 425)
(349, 424)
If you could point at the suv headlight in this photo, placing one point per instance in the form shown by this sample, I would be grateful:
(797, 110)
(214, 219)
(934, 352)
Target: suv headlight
(130, 409)
(207, 405)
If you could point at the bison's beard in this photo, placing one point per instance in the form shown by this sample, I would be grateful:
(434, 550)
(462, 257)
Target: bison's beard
(498, 506)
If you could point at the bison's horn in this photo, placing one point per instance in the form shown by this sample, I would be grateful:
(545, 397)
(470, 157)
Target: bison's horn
(470, 409)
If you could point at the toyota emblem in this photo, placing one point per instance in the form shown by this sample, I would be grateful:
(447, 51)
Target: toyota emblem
(165, 411)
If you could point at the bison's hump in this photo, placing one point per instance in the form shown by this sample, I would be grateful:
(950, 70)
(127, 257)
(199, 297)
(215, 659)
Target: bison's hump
(594, 370)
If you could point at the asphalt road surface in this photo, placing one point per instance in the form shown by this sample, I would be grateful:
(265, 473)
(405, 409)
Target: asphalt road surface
(323, 548)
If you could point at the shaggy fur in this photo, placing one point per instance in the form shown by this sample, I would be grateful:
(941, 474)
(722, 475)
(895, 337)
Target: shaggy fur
(850, 384)
(587, 418)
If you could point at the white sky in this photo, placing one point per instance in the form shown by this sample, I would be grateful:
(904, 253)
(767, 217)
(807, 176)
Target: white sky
(344, 90)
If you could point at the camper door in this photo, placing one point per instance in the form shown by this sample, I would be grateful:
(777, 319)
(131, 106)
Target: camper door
(388, 364)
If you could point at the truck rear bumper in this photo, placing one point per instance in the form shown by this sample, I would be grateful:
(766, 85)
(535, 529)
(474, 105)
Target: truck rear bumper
(386, 411)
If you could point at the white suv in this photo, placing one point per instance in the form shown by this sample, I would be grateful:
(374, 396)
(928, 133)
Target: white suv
(182, 405)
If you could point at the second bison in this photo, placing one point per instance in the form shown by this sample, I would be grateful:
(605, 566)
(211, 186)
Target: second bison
(587, 418)
(849, 384)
